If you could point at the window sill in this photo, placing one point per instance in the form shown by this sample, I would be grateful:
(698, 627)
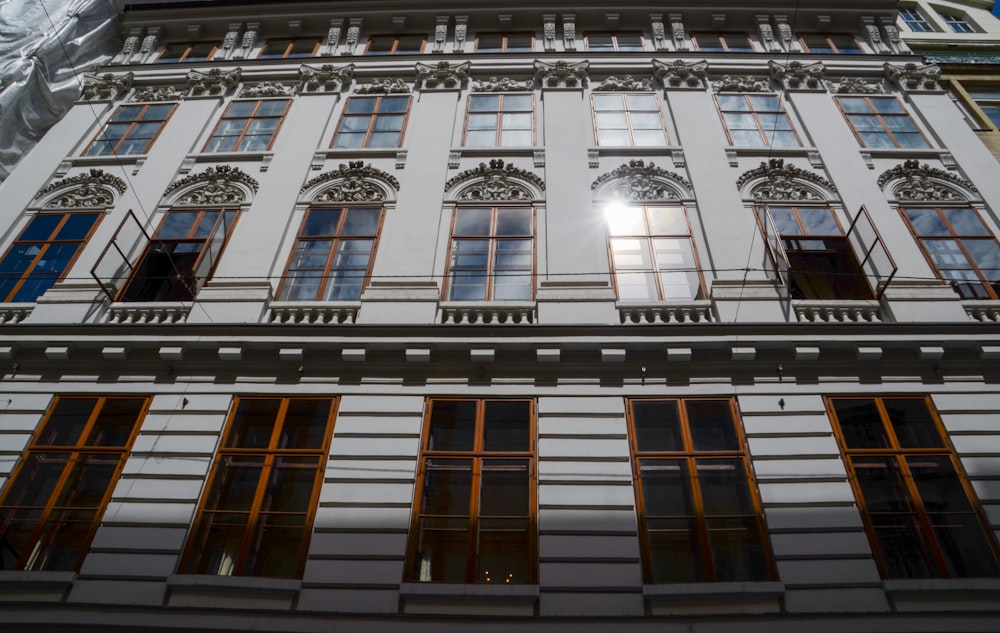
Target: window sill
(944, 588)
(110, 160)
(432, 590)
(487, 313)
(634, 150)
(206, 157)
(34, 580)
(318, 312)
(665, 312)
(719, 597)
(984, 311)
(233, 584)
(469, 599)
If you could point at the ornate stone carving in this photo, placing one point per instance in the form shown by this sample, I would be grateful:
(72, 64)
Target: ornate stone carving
(625, 82)
(106, 86)
(92, 190)
(569, 32)
(913, 182)
(129, 46)
(766, 35)
(326, 78)
(873, 35)
(440, 36)
(549, 33)
(561, 74)
(785, 32)
(659, 33)
(352, 36)
(914, 77)
(461, 33)
(215, 185)
(798, 76)
(158, 93)
(383, 86)
(353, 182)
(639, 181)
(229, 41)
(681, 74)
(677, 29)
(333, 37)
(497, 181)
(856, 85)
(892, 33)
(267, 89)
(442, 75)
(500, 84)
(148, 44)
(728, 83)
(212, 83)
(781, 182)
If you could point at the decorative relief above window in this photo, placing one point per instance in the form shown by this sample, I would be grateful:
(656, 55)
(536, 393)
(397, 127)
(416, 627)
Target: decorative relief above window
(913, 182)
(501, 84)
(561, 74)
(216, 185)
(443, 75)
(681, 74)
(326, 78)
(912, 77)
(267, 89)
(353, 182)
(773, 180)
(105, 87)
(640, 181)
(212, 83)
(729, 83)
(158, 93)
(383, 86)
(856, 85)
(497, 181)
(624, 83)
(92, 190)
(796, 75)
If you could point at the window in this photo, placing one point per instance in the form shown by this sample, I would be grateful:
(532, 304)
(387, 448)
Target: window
(257, 514)
(652, 254)
(181, 256)
(881, 122)
(957, 23)
(500, 120)
(289, 49)
(989, 102)
(919, 510)
(42, 253)
(821, 262)
(843, 44)
(186, 52)
(621, 42)
(914, 21)
(474, 510)
(131, 130)
(960, 248)
(56, 497)
(699, 515)
(248, 126)
(332, 257)
(505, 42)
(395, 45)
(372, 122)
(629, 119)
(756, 120)
(492, 254)
(723, 42)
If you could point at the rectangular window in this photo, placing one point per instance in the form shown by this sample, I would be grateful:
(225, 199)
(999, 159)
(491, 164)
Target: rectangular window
(621, 42)
(181, 256)
(372, 122)
(699, 514)
(505, 42)
(756, 120)
(333, 255)
(914, 21)
(492, 254)
(131, 130)
(289, 49)
(56, 497)
(500, 120)
(42, 253)
(957, 23)
(474, 511)
(248, 126)
(186, 52)
(919, 510)
(989, 102)
(881, 122)
(652, 254)
(628, 119)
(395, 45)
(959, 247)
(723, 43)
(842, 44)
(257, 513)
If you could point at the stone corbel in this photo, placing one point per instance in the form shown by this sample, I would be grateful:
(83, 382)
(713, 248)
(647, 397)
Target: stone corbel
(353, 33)
(913, 77)
(229, 41)
(549, 31)
(129, 47)
(873, 36)
(333, 38)
(562, 74)
(569, 31)
(798, 76)
(150, 43)
(680, 74)
(105, 86)
(248, 42)
(325, 79)
(785, 35)
(659, 31)
(442, 76)
(461, 33)
(892, 36)
(440, 34)
(212, 83)
(678, 32)
(767, 34)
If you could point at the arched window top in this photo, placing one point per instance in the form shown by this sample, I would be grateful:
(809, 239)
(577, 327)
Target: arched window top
(496, 181)
(221, 185)
(912, 182)
(353, 182)
(775, 181)
(95, 189)
(641, 182)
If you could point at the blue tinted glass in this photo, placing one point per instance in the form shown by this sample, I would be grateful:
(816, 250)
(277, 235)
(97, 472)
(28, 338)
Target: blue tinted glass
(77, 226)
(40, 228)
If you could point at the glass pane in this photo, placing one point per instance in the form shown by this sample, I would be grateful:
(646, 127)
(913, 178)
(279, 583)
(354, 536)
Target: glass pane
(362, 222)
(712, 425)
(614, 138)
(482, 122)
(65, 537)
(36, 480)
(513, 221)
(452, 425)
(819, 222)
(737, 554)
(666, 487)
(912, 422)
(66, 422)
(40, 227)
(504, 557)
(235, 483)
(115, 422)
(505, 489)
(442, 555)
(507, 426)
(724, 487)
(483, 103)
(784, 220)
(965, 222)
(384, 139)
(642, 102)
(733, 103)
(887, 106)
(667, 221)
(673, 551)
(322, 222)
(608, 102)
(860, 423)
(901, 543)
(89, 481)
(881, 483)
(290, 485)
(657, 425)
(217, 544)
(473, 221)
(305, 424)
(612, 121)
(253, 423)
(393, 104)
(360, 105)
(926, 222)
(277, 547)
(447, 487)
(854, 104)
(765, 103)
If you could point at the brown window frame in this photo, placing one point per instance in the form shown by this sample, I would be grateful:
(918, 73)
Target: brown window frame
(499, 112)
(267, 457)
(335, 240)
(880, 117)
(250, 118)
(132, 123)
(691, 456)
(615, 45)
(627, 111)
(831, 43)
(476, 455)
(191, 46)
(490, 273)
(764, 133)
(394, 49)
(78, 454)
(906, 458)
(505, 40)
(372, 118)
(723, 42)
(993, 293)
(289, 49)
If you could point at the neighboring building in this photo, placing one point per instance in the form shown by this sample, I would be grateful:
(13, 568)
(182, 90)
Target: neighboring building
(963, 38)
(364, 317)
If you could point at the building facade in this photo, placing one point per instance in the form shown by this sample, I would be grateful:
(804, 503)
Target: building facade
(360, 316)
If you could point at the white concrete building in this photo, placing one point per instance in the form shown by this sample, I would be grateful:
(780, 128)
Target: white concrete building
(357, 316)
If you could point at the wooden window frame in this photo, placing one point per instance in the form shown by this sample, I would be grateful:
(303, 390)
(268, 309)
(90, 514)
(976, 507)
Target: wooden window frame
(74, 453)
(335, 239)
(911, 16)
(187, 53)
(269, 455)
(689, 454)
(477, 456)
(372, 118)
(246, 126)
(287, 53)
(959, 239)
(504, 41)
(723, 43)
(831, 43)
(765, 134)
(628, 118)
(132, 123)
(24, 275)
(880, 117)
(493, 239)
(901, 454)
(615, 46)
(648, 237)
(394, 49)
(499, 112)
